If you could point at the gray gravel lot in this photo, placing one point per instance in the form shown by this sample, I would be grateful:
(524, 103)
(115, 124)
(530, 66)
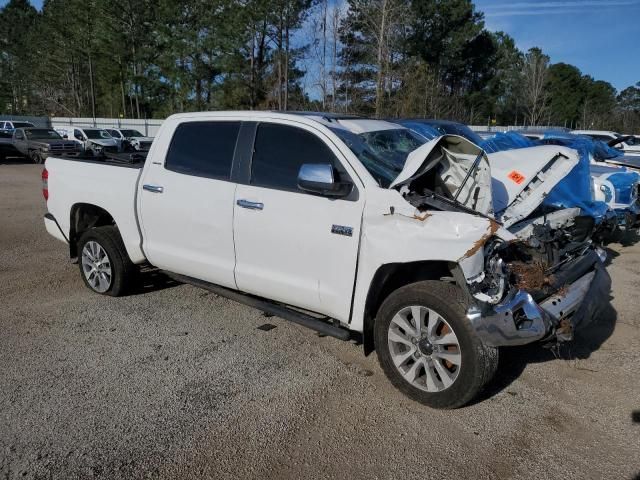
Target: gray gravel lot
(175, 382)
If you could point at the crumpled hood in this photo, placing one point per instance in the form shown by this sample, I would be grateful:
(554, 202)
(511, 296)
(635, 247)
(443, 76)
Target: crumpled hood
(511, 183)
(523, 178)
(447, 160)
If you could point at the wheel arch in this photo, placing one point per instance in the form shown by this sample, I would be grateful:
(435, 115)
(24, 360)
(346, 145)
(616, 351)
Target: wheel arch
(84, 216)
(392, 276)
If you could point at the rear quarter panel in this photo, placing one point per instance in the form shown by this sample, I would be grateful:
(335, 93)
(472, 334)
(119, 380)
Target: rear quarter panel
(112, 188)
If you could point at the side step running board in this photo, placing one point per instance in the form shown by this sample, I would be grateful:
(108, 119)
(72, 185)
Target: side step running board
(317, 324)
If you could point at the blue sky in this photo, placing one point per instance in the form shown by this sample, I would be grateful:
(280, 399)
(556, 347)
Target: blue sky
(601, 37)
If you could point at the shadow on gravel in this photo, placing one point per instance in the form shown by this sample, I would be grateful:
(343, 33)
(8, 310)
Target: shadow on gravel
(611, 254)
(514, 360)
(152, 280)
(626, 239)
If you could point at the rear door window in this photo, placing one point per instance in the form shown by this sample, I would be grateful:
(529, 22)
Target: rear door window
(203, 149)
(280, 151)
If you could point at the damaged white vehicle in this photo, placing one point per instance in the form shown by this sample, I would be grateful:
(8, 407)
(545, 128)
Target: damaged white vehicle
(348, 226)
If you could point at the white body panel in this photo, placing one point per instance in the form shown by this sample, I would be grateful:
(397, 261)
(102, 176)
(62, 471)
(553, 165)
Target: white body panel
(409, 237)
(285, 252)
(111, 188)
(188, 229)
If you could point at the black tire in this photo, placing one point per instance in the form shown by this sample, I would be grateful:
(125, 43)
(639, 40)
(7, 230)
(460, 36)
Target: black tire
(36, 157)
(478, 361)
(123, 271)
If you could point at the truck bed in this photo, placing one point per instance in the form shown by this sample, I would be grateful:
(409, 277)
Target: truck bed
(124, 159)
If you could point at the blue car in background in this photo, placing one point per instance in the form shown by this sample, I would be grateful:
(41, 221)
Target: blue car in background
(431, 129)
(575, 190)
(614, 184)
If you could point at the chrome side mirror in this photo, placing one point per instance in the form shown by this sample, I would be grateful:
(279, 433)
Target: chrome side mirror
(318, 178)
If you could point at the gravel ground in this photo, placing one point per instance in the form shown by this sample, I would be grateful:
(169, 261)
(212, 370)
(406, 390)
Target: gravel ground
(175, 382)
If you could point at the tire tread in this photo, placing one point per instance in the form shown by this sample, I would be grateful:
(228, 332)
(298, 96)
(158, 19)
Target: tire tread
(123, 269)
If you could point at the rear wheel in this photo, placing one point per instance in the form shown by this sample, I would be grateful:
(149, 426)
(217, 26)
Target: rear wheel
(104, 264)
(427, 347)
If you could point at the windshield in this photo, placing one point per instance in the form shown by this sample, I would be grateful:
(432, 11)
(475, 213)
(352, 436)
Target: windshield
(42, 134)
(131, 133)
(382, 152)
(97, 134)
(22, 125)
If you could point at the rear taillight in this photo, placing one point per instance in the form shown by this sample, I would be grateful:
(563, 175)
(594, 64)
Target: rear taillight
(45, 184)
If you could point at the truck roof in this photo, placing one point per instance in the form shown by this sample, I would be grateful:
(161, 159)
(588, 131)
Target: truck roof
(352, 123)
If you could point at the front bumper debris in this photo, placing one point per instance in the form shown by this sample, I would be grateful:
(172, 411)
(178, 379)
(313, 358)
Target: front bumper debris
(521, 320)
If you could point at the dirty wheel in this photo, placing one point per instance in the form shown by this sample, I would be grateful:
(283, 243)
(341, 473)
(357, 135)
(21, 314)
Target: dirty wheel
(104, 264)
(427, 347)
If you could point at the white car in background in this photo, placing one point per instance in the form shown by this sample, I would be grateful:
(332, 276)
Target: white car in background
(94, 141)
(627, 147)
(10, 125)
(131, 139)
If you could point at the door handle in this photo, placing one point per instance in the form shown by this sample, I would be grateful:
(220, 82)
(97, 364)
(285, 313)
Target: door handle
(250, 205)
(153, 188)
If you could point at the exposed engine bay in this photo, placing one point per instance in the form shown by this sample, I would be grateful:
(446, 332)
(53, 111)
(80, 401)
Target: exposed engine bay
(550, 255)
(545, 246)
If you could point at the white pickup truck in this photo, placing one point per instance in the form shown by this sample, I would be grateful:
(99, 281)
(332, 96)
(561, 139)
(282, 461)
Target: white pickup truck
(355, 228)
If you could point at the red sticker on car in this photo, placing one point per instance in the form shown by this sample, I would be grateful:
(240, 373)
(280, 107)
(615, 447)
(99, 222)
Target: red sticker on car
(516, 177)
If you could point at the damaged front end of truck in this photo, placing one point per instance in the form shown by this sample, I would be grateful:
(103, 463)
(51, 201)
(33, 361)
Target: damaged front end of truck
(534, 274)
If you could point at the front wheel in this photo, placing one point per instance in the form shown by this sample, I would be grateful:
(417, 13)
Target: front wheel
(427, 347)
(104, 263)
(36, 157)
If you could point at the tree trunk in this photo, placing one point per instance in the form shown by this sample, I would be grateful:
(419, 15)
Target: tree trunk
(335, 24)
(380, 58)
(93, 93)
(286, 61)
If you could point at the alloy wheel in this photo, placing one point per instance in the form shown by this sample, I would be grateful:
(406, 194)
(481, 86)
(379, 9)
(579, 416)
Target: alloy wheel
(96, 266)
(424, 348)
